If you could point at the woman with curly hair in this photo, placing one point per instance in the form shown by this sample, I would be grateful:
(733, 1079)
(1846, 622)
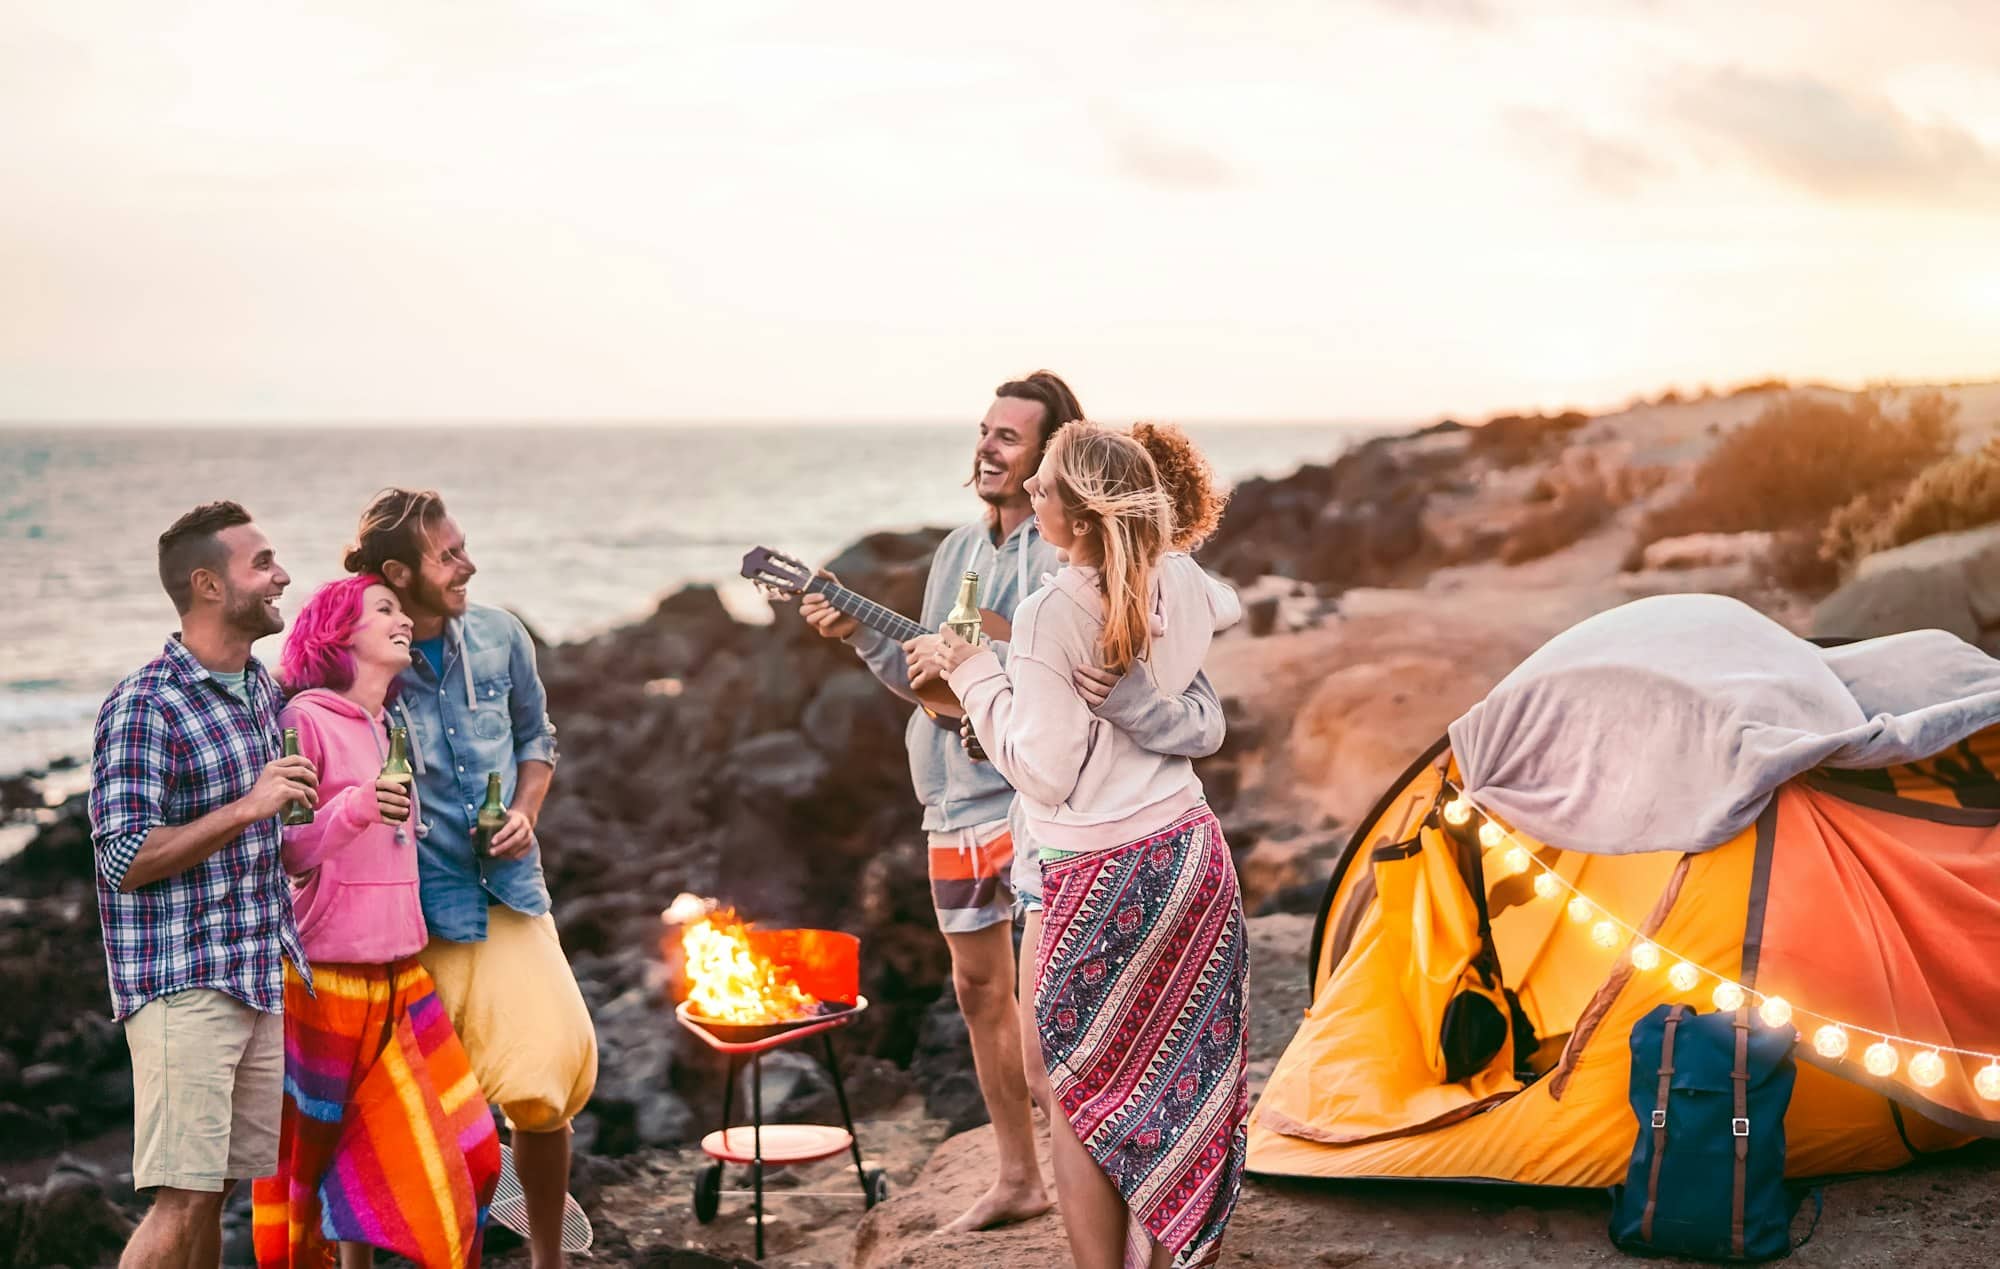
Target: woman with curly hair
(1190, 726)
(1140, 1003)
(384, 1138)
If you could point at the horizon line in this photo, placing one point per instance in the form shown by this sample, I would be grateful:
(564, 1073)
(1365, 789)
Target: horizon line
(1638, 400)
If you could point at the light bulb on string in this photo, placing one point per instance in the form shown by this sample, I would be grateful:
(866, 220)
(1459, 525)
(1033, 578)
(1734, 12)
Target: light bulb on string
(1604, 934)
(1926, 1069)
(1880, 1058)
(1987, 1082)
(1457, 811)
(1491, 835)
(1728, 997)
(1547, 886)
(1517, 861)
(1580, 910)
(1830, 1041)
(1684, 977)
(1776, 1011)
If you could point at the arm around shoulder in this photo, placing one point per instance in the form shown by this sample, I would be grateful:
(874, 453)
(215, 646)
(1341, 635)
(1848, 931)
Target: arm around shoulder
(1190, 725)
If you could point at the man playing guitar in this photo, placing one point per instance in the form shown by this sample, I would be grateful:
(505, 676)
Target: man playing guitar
(967, 803)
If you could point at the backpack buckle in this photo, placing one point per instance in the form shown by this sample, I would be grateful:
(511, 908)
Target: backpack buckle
(1659, 1119)
(1739, 1127)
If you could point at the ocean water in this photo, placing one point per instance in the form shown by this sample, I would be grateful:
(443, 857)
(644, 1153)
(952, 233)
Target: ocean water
(578, 529)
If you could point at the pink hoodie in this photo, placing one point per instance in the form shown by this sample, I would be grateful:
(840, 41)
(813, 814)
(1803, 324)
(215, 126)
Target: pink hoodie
(1084, 783)
(354, 886)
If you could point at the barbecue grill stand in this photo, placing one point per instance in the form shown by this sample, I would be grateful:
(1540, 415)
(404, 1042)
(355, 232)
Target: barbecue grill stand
(781, 1144)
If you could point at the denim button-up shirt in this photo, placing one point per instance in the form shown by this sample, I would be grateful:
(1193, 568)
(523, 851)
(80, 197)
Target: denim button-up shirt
(486, 712)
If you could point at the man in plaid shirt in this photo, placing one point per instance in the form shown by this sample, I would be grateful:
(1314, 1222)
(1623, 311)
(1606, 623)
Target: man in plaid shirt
(186, 786)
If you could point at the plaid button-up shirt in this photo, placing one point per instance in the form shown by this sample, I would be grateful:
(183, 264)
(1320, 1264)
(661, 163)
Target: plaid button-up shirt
(172, 745)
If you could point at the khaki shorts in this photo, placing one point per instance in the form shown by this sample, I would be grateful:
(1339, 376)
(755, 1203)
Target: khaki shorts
(208, 1086)
(516, 1008)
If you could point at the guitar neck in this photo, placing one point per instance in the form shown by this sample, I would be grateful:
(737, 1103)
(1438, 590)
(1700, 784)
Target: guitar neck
(866, 611)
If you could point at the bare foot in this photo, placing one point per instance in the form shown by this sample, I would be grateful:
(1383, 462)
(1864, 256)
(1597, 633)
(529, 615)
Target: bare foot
(1002, 1205)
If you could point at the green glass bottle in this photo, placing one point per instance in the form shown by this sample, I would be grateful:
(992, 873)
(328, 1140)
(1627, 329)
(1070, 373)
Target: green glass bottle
(963, 620)
(396, 770)
(294, 812)
(492, 817)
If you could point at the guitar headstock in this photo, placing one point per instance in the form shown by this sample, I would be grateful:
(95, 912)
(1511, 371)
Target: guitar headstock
(778, 575)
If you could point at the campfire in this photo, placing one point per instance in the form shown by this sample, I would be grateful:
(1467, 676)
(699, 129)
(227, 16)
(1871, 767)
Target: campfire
(736, 974)
(728, 981)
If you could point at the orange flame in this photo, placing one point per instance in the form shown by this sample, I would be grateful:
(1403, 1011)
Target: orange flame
(729, 982)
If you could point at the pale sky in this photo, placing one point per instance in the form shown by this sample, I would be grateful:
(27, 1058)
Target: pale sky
(1343, 209)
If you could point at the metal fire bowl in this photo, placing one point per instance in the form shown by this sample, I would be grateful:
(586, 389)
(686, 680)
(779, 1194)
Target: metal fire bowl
(761, 1035)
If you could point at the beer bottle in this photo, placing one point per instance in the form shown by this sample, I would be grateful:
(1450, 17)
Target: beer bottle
(963, 620)
(491, 819)
(396, 769)
(294, 812)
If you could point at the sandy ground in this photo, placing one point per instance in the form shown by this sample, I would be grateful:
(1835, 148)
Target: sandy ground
(1945, 1213)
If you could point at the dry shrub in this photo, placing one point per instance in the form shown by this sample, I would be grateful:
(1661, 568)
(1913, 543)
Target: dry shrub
(1797, 563)
(1955, 493)
(1855, 530)
(1758, 385)
(1553, 526)
(1513, 439)
(1803, 458)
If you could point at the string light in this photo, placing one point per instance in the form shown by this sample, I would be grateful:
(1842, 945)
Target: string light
(1926, 1069)
(1987, 1082)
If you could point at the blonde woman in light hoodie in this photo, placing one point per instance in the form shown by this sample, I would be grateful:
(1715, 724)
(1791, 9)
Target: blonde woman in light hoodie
(384, 1136)
(1140, 1001)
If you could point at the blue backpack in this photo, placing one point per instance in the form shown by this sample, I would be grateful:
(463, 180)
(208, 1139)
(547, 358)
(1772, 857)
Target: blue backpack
(1708, 1170)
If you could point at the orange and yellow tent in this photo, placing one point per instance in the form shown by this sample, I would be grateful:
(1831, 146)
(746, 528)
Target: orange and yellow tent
(1473, 994)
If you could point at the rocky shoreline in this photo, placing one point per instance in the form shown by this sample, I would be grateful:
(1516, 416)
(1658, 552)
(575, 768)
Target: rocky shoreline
(763, 766)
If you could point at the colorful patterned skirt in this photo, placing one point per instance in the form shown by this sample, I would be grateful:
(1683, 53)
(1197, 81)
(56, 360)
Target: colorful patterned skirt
(386, 1138)
(1141, 1005)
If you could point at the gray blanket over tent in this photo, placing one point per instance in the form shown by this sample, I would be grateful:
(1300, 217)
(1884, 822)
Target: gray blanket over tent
(1668, 723)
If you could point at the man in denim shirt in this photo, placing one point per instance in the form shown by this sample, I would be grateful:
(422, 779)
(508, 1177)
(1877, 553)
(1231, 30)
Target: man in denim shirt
(474, 704)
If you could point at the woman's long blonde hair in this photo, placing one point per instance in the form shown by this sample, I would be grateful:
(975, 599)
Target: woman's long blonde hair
(1108, 481)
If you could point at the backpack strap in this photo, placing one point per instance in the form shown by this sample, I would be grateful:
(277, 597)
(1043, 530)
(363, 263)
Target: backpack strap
(1674, 1017)
(1739, 1127)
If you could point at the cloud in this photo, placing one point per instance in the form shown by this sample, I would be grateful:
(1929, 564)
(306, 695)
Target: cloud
(1143, 155)
(1610, 165)
(1838, 143)
(1478, 12)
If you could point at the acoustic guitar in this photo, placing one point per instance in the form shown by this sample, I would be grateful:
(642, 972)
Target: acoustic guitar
(783, 576)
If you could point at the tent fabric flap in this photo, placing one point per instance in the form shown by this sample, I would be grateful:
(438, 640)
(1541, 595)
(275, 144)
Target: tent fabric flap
(1369, 1061)
(1885, 915)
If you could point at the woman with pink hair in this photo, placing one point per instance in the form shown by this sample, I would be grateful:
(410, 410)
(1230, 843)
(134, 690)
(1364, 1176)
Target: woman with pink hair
(385, 1139)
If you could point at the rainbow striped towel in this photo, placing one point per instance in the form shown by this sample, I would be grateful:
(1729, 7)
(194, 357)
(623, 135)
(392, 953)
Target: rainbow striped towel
(386, 1138)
